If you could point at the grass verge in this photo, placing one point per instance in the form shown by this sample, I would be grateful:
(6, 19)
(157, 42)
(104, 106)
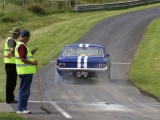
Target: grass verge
(10, 116)
(51, 33)
(145, 69)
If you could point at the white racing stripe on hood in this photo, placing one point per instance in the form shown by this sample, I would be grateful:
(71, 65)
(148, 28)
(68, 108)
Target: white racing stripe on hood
(87, 45)
(85, 61)
(80, 45)
(79, 62)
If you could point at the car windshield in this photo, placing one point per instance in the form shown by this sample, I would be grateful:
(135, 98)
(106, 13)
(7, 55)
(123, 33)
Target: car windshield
(83, 51)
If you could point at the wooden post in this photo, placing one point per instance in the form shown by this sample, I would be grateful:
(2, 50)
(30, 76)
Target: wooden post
(3, 6)
(49, 2)
(18, 24)
(22, 6)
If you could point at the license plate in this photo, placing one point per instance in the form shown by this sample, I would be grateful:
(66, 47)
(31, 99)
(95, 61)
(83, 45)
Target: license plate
(82, 73)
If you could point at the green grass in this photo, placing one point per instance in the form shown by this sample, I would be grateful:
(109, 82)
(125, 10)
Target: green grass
(10, 116)
(145, 68)
(51, 33)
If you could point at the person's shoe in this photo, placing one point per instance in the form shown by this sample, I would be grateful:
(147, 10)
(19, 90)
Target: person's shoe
(24, 112)
(14, 101)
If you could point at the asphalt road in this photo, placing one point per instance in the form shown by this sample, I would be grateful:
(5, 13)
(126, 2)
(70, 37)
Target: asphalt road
(116, 99)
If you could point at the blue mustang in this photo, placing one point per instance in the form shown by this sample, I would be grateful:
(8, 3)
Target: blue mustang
(83, 60)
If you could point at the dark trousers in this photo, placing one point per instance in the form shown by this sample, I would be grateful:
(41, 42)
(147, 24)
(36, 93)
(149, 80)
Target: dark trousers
(11, 80)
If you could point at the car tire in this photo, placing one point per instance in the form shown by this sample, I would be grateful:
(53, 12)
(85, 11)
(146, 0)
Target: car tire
(62, 74)
(107, 75)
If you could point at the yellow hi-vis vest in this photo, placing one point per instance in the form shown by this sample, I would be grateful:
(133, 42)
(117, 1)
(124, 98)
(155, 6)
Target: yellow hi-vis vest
(7, 51)
(23, 68)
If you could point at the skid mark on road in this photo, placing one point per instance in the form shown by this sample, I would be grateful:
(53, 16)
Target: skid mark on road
(112, 107)
(98, 106)
(102, 106)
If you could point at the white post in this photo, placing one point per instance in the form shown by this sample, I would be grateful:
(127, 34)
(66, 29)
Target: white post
(4, 1)
(69, 3)
(52, 4)
(10, 6)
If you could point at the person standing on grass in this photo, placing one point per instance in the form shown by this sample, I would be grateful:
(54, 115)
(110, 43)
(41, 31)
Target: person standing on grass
(10, 66)
(26, 67)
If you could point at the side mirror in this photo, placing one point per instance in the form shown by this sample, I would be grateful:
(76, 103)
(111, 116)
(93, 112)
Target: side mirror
(107, 55)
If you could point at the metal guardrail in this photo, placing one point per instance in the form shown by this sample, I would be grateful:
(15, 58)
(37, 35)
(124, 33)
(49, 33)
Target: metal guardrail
(111, 6)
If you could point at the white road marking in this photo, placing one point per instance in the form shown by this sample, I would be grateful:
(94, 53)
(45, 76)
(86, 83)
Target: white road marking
(111, 63)
(40, 101)
(121, 63)
(53, 61)
(56, 106)
(60, 110)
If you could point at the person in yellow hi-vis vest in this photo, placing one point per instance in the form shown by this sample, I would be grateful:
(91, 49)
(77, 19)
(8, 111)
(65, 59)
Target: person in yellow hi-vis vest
(26, 67)
(10, 65)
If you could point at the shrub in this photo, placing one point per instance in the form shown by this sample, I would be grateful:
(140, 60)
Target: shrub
(7, 19)
(61, 5)
(37, 10)
(74, 2)
(20, 2)
(1, 14)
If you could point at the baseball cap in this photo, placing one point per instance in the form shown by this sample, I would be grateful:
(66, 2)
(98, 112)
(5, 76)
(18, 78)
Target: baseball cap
(25, 33)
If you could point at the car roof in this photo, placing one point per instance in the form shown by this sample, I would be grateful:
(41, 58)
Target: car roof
(84, 45)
